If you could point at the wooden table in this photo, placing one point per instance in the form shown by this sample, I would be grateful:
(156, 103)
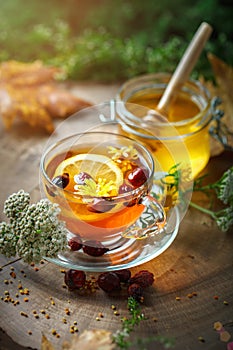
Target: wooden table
(193, 285)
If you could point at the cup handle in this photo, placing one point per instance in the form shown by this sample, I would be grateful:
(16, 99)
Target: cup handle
(151, 222)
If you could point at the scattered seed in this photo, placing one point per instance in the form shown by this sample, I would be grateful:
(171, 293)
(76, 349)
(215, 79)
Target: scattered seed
(64, 320)
(32, 264)
(201, 339)
(113, 307)
(17, 295)
(225, 302)
(23, 314)
(191, 256)
(155, 319)
(177, 298)
(216, 297)
(47, 316)
(26, 300)
(100, 315)
(72, 329)
(67, 311)
(6, 281)
(43, 312)
(36, 316)
(97, 319)
(62, 270)
(190, 295)
(34, 311)
(6, 292)
(57, 335)
(13, 274)
(75, 323)
(36, 269)
(30, 332)
(53, 331)
(116, 313)
(12, 268)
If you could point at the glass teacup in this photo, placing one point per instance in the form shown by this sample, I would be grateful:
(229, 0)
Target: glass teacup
(102, 183)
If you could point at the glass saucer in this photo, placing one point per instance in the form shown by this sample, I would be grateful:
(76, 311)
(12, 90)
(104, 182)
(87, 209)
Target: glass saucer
(126, 253)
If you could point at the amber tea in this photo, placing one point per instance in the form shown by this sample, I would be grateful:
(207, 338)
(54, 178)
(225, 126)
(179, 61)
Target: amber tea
(99, 181)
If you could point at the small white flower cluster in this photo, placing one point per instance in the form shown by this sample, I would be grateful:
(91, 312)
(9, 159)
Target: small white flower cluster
(34, 231)
(124, 152)
(224, 187)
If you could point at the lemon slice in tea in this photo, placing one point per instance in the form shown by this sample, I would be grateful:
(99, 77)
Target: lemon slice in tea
(96, 165)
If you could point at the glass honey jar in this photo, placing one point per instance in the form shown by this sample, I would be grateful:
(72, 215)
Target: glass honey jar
(180, 138)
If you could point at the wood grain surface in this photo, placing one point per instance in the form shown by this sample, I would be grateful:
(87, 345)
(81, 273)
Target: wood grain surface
(193, 285)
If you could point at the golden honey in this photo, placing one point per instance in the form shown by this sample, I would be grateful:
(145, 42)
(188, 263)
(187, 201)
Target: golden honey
(183, 137)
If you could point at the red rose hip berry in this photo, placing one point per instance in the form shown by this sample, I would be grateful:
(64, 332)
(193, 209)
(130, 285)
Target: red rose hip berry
(109, 282)
(75, 279)
(136, 291)
(100, 205)
(137, 177)
(94, 248)
(124, 188)
(124, 275)
(75, 243)
(61, 180)
(144, 278)
(81, 177)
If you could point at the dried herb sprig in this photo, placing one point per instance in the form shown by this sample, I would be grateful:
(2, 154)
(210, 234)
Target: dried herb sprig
(222, 189)
(122, 337)
(33, 231)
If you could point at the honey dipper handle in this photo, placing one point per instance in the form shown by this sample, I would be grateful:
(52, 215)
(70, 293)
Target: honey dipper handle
(185, 65)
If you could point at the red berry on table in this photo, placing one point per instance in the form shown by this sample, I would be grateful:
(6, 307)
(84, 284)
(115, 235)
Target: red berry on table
(109, 282)
(124, 275)
(136, 291)
(137, 177)
(144, 278)
(75, 279)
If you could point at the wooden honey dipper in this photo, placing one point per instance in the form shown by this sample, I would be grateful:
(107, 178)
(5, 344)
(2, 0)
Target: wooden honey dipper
(181, 73)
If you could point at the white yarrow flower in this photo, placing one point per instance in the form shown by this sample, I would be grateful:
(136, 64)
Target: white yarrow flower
(34, 230)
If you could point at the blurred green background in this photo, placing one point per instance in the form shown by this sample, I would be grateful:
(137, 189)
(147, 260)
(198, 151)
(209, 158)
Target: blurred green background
(109, 40)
